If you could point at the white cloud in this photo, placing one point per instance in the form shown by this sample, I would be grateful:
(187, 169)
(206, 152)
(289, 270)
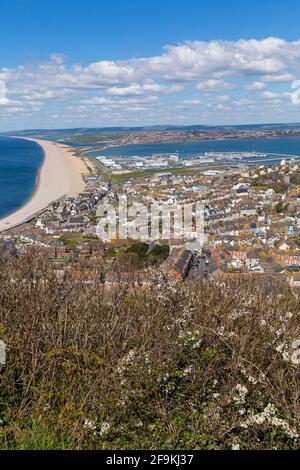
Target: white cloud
(191, 102)
(243, 103)
(186, 104)
(280, 78)
(270, 95)
(148, 87)
(218, 107)
(296, 84)
(255, 86)
(295, 96)
(209, 67)
(212, 85)
(222, 99)
(96, 100)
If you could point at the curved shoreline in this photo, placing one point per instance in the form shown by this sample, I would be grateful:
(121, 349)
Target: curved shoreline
(59, 176)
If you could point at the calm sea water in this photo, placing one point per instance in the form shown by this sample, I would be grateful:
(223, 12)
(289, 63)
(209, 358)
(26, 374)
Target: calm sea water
(283, 145)
(20, 161)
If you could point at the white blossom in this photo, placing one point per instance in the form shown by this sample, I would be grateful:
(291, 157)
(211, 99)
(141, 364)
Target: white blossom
(267, 416)
(235, 447)
(89, 424)
(188, 370)
(105, 427)
(240, 394)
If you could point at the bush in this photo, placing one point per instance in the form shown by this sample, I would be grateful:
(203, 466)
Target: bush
(163, 366)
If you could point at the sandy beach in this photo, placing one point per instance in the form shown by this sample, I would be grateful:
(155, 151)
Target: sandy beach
(60, 176)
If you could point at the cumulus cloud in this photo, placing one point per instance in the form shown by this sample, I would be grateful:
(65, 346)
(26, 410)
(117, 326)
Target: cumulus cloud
(244, 103)
(149, 87)
(209, 67)
(280, 78)
(186, 104)
(116, 103)
(295, 95)
(255, 86)
(212, 85)
(270, 96)
(191, 102)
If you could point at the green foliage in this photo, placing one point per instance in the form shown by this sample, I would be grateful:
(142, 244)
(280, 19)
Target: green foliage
(280, 207)
(141, 249)
(156, 366)
(160, 251)
(121, 178)
(145, 254)
(111, 252)
(36, 435)
(295, 179)
(278, 186)
(77, 240)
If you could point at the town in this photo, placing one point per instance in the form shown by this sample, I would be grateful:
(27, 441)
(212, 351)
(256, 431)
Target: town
(251, 214)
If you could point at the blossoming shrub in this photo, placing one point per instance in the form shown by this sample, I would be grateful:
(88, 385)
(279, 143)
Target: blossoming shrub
(161, 365)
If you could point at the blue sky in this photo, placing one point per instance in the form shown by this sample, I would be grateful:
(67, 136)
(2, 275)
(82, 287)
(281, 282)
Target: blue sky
(101, 63)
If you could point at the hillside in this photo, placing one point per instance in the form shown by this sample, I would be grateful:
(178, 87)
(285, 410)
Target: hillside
(164, 366)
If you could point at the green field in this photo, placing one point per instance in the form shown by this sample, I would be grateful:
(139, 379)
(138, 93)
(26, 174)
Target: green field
(142, 174)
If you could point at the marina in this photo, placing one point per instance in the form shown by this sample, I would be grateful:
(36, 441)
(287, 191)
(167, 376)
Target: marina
(184, 155)
(121, 164)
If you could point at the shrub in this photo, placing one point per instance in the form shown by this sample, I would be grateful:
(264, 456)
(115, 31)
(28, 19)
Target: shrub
(166, 365)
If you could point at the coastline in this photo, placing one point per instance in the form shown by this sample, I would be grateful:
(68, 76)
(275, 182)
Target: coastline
(59, 176)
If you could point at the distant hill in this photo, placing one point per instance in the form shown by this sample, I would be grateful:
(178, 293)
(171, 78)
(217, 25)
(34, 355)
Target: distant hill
(170, 127)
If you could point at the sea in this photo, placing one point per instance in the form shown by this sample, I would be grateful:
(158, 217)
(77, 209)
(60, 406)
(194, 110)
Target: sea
(282, 145)
(20, 161)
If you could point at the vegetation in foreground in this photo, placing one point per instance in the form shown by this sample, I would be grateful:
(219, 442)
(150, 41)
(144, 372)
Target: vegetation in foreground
(164, 366)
